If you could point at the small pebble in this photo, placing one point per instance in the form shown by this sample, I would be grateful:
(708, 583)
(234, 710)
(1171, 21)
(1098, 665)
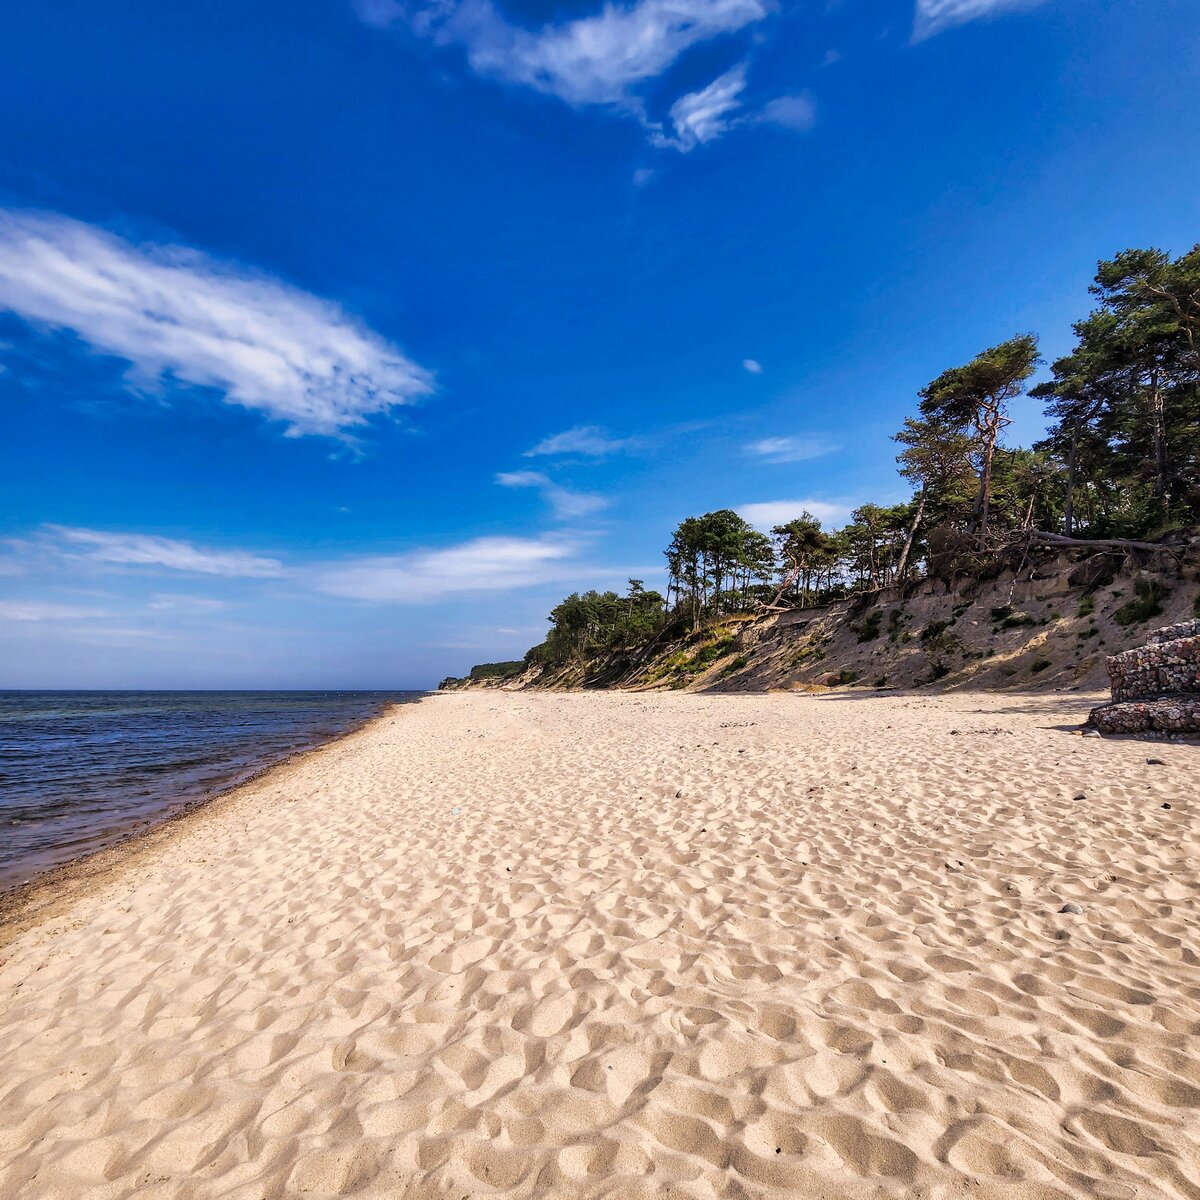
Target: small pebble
(1072, 908)
(1166, 806)
(1079, 796)
(1091, 733)
(1155, 762)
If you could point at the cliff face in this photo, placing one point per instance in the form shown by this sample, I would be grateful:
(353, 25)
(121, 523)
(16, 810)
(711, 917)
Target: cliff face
(1047, 625)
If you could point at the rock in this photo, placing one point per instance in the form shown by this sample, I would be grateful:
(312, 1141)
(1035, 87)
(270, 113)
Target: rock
(1072, 908)
(1079, 796)
(1091, 733)
(1155, 762)
(1166, 806)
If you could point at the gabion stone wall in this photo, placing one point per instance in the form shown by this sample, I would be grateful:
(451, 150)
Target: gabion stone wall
(1166, 668)
(1155, 687)
(1148, 716)
(1171, 633)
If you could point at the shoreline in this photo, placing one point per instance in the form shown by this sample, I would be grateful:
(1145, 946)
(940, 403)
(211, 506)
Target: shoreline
(52, 891)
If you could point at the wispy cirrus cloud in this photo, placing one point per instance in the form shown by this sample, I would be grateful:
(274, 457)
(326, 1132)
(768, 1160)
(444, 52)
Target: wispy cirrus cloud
(705, 115)
(710, 113)
(596, 59)
(150, 550)
(182, 603)
(174, 313)
(797, 112)
(481, 565)
(791, 449)
(769, 513)
(565, 503)
(418, 576)
(41, 610)
(592, 441)
(932, 16)
(606, 58)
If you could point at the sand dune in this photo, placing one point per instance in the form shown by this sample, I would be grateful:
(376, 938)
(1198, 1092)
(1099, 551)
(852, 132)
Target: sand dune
(636, 946)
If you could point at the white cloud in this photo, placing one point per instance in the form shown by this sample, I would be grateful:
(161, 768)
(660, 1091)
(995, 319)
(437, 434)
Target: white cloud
(596, 59)
(790, 112)
(565, 503)
(791, 449)
(769, 513)
(752, 365)
(178, 603)
(147, 550)
(590, 440)
(37, 610)
(603, 58)
(172, 312)
(482, 565)
(932, 16)
(705, 115)
(643, 176)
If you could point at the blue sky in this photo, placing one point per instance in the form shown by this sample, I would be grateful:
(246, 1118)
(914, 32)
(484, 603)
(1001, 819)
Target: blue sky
(339, 340)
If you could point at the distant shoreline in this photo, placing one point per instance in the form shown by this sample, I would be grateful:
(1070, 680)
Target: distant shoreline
(50, 891)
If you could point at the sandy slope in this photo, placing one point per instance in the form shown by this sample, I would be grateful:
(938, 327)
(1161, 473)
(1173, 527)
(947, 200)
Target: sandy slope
(623, 945)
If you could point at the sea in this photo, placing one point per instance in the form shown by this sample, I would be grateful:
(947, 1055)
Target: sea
(82, 770)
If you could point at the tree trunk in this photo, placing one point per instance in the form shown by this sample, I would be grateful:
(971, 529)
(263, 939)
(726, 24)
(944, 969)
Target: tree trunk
(1025, 524)
(1158, 419)
(1069, 499)
(1056, 539)
(912, 534)
(790, 578)
(985, 481)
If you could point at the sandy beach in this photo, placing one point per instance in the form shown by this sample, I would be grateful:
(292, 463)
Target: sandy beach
(622, 945)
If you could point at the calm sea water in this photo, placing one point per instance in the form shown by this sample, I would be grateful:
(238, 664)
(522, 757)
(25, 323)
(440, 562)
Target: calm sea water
(80, 770)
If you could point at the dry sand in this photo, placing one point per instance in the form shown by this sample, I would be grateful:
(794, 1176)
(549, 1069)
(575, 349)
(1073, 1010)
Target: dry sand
(630, 946)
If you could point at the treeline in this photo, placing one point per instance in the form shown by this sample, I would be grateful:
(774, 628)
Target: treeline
(1121, 460)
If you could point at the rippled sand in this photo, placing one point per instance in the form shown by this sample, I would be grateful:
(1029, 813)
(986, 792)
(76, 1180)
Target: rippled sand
(635, 946)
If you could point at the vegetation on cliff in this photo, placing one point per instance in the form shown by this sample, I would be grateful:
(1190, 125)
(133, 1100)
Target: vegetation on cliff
(1120, 464)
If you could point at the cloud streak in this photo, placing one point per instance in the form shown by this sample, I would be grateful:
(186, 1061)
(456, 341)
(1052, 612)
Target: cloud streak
(791, 449)
(565, 503)
(174, 313)
(39, 611)
(705, 115)
(419, 576)
(932, 16)
(148, 550)
(592, 441)
(769, 513)
(482, 565)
